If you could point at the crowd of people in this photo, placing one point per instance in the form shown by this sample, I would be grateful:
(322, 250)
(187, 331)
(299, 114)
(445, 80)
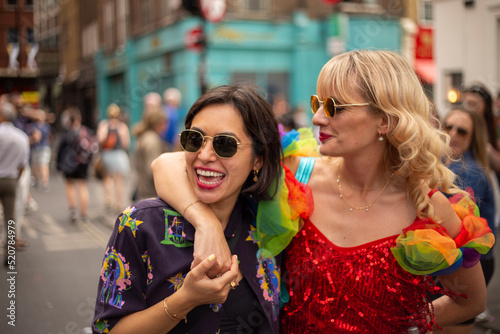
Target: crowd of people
(363, 225)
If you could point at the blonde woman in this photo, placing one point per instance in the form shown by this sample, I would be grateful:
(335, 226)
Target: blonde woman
(379, 227)
(114, 140)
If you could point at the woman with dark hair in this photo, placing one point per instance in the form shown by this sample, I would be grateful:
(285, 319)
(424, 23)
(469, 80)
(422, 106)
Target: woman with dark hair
(232, 161)
(477, 98)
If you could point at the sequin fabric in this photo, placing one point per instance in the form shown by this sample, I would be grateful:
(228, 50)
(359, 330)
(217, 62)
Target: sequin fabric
(352, 290)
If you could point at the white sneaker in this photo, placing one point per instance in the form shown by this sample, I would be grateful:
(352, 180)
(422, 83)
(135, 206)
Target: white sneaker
(31, 206)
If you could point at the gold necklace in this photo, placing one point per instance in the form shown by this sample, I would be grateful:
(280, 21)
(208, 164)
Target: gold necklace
(366, 207)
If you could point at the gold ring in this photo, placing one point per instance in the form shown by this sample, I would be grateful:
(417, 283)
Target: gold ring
(233, 285)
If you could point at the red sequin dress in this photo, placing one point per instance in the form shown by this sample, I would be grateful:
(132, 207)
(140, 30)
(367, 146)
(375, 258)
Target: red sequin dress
(359, 289)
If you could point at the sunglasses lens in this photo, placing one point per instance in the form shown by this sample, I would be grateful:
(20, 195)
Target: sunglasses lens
(314, 103)
(225, 146)
(191, 141)
(329, 106)
(460, 131)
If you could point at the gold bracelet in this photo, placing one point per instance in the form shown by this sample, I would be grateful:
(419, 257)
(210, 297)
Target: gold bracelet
(187, 207)
(171, 315)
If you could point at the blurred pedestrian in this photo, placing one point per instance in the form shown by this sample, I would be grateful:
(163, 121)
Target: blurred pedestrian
(469, 161)
(41, 151)
(25, 203)
(75, 152)
(477, 98)
(149, 146)
(114, 140)
(14, 156)
(172, 98)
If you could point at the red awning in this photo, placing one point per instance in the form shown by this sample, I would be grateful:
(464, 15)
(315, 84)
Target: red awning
(426, 70)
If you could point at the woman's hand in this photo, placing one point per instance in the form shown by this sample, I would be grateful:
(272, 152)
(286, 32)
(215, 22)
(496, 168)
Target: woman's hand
(209, 239)
(199, 289)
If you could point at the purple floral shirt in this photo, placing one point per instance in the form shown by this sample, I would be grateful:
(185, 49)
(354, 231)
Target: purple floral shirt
(149, 254)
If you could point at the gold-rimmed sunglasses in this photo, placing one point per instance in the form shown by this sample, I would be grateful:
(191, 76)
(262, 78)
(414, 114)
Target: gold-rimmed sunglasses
(329, 105)
(225, 146)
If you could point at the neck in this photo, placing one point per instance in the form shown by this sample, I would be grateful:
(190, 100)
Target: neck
(364, 178)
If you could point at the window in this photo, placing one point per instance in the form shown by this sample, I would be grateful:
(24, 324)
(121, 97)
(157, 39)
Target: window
(426, 11)
(30, 36)
(28, 3)
(109, 22)
(12, 35)
(453, 84)
(11, 2)
(255, 5)
(146, 12)
(122, 21)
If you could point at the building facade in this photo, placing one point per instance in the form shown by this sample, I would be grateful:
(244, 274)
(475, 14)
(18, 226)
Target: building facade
(47, 29)
(18, 49)
(467, 47)
(278, 45)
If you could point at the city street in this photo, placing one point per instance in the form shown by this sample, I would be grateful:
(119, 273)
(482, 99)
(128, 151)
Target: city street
(54, 283)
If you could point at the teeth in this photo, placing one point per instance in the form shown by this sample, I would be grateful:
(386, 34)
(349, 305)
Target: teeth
(208, 173)
(205, 182)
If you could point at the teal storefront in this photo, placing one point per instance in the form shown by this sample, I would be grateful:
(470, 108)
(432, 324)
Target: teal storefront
(281, 57)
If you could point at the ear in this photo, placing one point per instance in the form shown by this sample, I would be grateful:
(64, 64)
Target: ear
(257, 163)
(383, 125)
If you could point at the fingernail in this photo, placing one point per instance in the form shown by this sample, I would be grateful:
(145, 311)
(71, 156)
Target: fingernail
(211, 257)
(236, 256)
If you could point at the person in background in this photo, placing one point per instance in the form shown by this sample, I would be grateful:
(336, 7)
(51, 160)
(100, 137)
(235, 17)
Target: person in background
(14, 156)
(74, 155)
(25, 203)
(469, 161)
(148, 147)
(41, 151)
(476, 97)
(380, 227)
(232, 153)
(172, 98)
(114, 142)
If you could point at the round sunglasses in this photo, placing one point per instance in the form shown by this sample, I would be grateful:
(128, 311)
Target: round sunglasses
(329, 105)
(225, 146)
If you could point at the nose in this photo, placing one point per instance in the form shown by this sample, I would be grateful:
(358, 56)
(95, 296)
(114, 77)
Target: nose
(207, 152)
(319, 118)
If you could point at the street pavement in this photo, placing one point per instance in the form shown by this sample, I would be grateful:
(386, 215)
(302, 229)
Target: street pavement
(53, 284)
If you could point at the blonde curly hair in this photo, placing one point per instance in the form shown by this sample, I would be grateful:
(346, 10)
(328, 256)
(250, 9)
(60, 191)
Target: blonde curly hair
(416, 149)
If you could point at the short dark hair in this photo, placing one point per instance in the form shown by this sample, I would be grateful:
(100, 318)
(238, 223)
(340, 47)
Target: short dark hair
(260, 125)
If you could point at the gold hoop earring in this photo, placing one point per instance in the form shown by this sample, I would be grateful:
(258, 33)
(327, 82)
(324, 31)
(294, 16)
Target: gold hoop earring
(255, 177)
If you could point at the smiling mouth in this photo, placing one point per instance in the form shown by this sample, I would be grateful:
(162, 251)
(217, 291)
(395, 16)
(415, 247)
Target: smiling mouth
(209, 177)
